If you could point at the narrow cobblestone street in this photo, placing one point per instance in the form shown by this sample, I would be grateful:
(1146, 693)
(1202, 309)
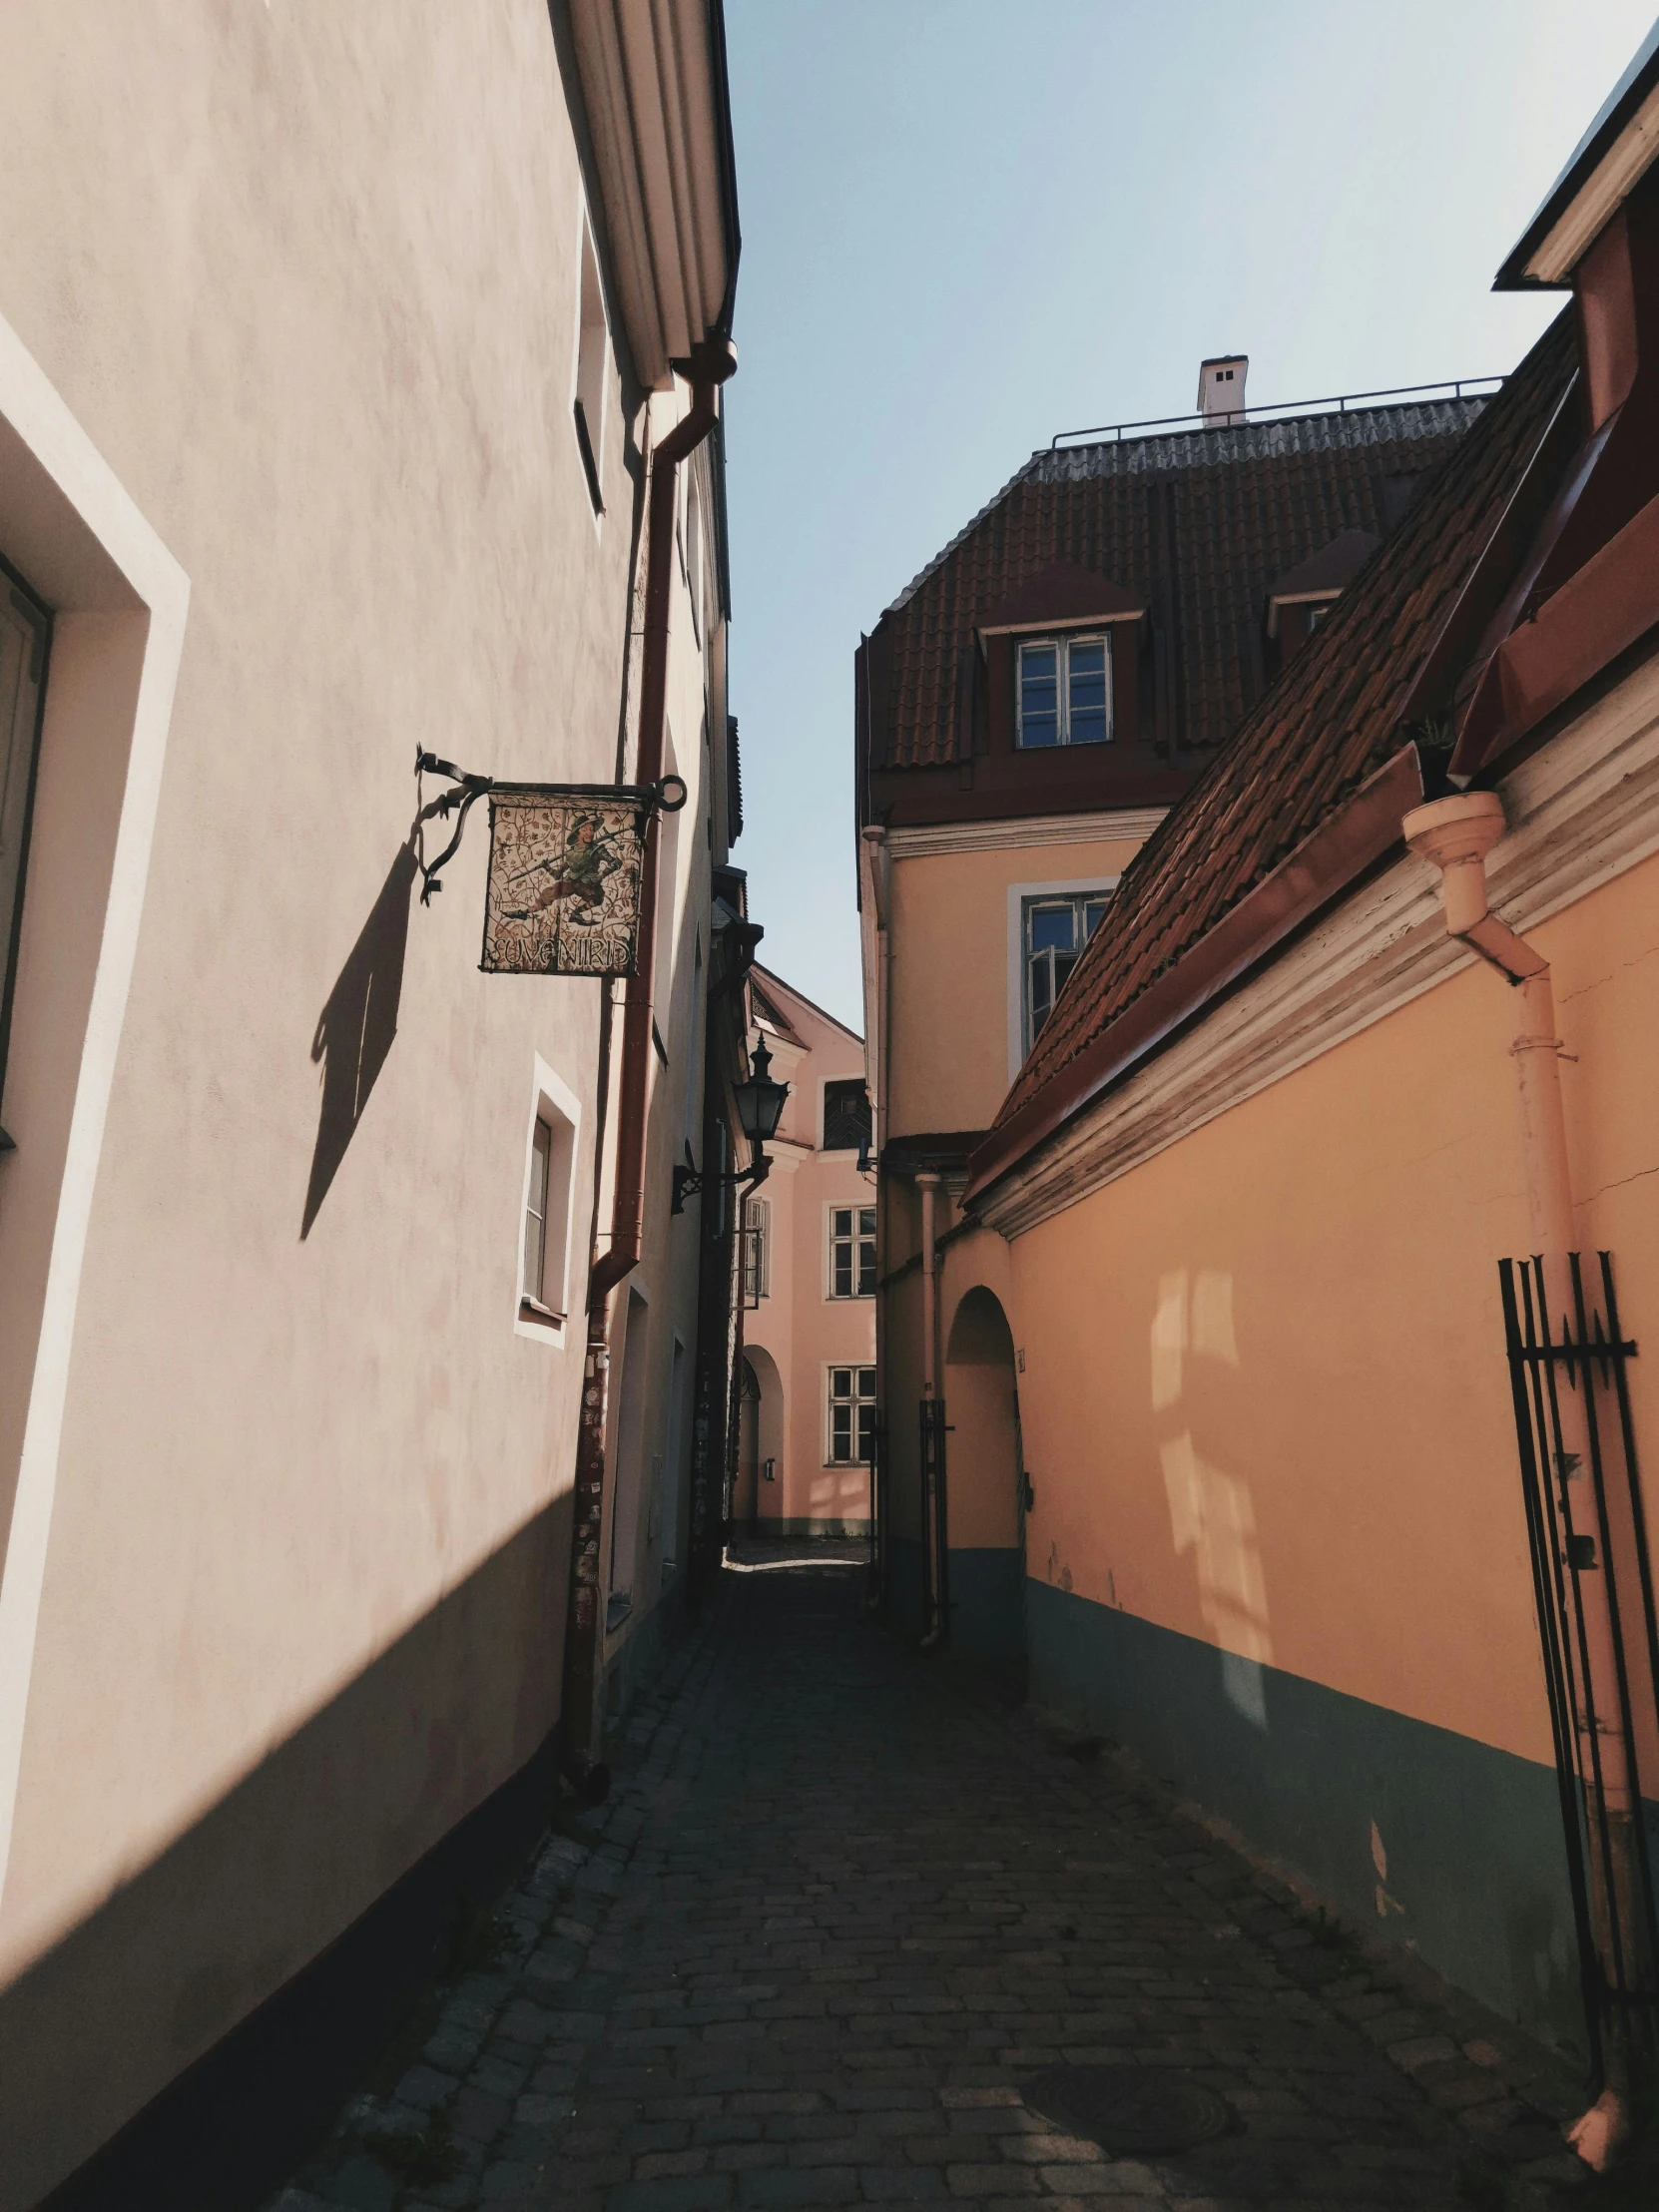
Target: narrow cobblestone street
(843, 1904)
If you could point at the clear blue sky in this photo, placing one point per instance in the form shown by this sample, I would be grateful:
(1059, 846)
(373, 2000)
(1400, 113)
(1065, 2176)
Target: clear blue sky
(970, 224)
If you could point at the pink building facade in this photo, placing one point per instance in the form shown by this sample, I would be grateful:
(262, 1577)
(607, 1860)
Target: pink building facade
(808, 1411)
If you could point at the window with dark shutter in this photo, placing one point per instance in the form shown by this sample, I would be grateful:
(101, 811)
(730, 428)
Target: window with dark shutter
(846, 1116)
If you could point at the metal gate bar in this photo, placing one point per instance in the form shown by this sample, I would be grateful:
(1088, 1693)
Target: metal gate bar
(1588, 1356)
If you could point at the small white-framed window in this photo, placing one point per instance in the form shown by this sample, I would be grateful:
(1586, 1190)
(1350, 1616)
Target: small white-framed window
(1064, 689)
(1054, 931)
(850, 1432)
(545, 1214)
(756, 1251)
(593, 343)
(852, 1251)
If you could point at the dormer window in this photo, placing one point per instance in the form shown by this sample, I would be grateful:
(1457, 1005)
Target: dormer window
(1065, 692)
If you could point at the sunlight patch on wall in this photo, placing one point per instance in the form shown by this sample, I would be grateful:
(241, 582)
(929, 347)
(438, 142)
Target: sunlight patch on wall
(1212, 1514)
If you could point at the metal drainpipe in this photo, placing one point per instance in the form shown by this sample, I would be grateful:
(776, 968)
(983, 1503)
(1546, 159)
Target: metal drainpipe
(932, 1564)
(711, 365)
(1456, 834)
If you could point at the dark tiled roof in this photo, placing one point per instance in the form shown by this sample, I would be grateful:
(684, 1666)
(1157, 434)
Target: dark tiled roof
(1196, 524)
(1331, 721)
(1333, 568)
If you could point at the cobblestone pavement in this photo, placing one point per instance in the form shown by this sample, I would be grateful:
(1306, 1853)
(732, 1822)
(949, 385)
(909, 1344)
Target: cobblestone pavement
(843, 1904)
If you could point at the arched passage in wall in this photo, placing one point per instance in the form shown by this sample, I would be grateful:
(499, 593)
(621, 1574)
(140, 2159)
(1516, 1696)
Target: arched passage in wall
(983, 1484)
(757, 1498)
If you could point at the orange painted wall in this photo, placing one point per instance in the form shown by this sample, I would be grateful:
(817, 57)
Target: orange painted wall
(1264, 1397)
(949, 1014)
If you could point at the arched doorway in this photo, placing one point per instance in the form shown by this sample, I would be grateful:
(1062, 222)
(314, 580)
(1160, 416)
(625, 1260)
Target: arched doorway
(758, 1494)
(986, 1484)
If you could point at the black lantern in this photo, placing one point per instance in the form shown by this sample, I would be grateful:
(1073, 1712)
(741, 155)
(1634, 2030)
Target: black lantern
(760, 1099)
(760, 1109)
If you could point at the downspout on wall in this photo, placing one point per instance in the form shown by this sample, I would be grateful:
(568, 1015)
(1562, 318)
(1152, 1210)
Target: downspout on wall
(1456, 834)
(933, 1565)
(876, 932)
(711, 365)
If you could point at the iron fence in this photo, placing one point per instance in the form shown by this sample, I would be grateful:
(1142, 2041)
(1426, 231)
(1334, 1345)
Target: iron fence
(1592, 1579)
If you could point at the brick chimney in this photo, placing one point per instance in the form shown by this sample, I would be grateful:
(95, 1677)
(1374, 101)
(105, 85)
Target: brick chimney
(1221, 387)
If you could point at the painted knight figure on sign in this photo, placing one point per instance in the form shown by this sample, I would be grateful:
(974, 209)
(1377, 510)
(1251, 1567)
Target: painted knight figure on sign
(563, 881)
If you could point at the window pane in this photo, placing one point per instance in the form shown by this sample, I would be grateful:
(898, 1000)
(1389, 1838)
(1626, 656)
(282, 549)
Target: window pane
(844, 1271)
(867, 1266)
(1087, 668)
(866, 1381)
(1039, 695)
(841, 1221)
(841, 1431)
(1043, 991)
(535, 1212)
(1092, 912)
(1052, 926)
(867, 1221)
(866, 1433)
(841, 1381)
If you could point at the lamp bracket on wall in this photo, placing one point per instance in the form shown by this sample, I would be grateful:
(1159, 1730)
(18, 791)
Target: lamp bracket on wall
(688, 1182)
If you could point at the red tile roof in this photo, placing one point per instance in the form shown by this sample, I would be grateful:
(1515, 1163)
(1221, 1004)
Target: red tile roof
(1329, 723)
(1196, 524)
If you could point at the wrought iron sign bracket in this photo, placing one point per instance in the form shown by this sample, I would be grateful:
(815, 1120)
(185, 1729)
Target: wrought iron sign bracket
(667, 796)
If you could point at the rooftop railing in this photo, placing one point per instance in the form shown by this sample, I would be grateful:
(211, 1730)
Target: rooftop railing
(1460, 388)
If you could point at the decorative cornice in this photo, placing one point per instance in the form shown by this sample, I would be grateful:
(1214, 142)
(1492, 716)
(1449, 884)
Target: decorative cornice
(923, 841)
(1581, 810)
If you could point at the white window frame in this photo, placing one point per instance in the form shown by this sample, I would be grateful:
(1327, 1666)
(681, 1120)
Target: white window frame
(833, 1207)
(73, 528)
(546, 1319)
(762, 1221)
(1061, 642)
(830, 1400)
(1072, 887)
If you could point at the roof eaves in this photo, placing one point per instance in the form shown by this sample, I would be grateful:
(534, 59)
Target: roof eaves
(1603, 167)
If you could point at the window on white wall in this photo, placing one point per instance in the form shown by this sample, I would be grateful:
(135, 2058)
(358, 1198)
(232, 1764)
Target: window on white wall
(544, 1245)
(592, 355)
(694, 553)
(851, 1426)
(852, 1252)
(1055, 933)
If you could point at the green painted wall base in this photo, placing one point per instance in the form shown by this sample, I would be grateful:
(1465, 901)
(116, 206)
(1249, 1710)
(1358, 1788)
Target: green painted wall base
(1472, 1837)
(986, 1600)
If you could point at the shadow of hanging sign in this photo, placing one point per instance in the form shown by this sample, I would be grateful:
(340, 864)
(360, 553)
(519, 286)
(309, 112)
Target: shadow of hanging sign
(567, 863)
(355, 1029)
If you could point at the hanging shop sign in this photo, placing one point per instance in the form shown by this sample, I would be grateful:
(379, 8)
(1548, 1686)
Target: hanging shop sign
(565, 869)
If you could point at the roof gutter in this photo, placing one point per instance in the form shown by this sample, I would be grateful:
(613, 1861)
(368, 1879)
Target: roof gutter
(1345, 847)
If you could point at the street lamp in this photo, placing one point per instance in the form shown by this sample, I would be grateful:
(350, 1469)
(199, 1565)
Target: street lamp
(760, 1100)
